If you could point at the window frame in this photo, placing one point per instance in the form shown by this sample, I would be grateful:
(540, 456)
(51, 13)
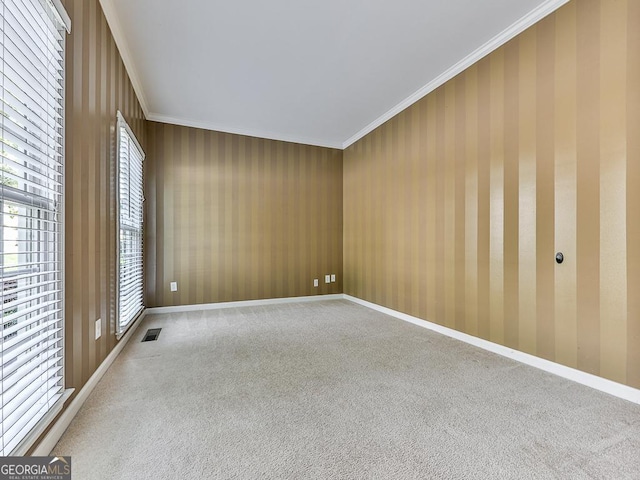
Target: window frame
(121, 124)
(60, 21)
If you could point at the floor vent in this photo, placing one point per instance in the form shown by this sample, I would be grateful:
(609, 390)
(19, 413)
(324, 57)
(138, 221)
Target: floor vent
(151, 335)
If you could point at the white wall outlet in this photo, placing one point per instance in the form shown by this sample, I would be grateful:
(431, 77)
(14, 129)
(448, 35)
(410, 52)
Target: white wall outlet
(98, 328)
(333, 278)
(174, 286)
(327, 279)
(315, 282)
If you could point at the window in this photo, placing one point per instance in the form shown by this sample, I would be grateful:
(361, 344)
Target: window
(31, 227)
(130, 216)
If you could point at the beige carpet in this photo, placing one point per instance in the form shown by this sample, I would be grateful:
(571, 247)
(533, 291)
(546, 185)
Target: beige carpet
(335, 390)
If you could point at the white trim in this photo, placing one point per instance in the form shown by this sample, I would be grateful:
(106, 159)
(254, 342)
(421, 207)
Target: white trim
(110, 13)
(121, 334)
(31, 438)
(62, 236)
(61, 13)
(156, 117)
(244, 303)
(122, 122)
(613, 388)
(51, 439)
(496, 42)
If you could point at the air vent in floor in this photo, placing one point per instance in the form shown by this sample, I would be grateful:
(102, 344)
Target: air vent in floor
(151, 335)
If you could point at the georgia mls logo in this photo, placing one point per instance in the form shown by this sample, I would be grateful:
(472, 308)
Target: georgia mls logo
(60, 465)
(35, 468)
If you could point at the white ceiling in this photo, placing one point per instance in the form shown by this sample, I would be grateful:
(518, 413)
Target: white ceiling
(322, 72)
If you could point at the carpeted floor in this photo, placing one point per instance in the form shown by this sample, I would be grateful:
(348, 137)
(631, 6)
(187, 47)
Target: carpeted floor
(332, 389)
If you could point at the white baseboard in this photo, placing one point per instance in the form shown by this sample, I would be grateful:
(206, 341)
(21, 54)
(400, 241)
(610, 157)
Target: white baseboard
(613, 388)
(243, 303)
(51, 439)
(47, 444)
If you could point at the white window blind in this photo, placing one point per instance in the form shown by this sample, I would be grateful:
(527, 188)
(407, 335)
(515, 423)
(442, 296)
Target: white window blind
(31, 193)
(130, 215)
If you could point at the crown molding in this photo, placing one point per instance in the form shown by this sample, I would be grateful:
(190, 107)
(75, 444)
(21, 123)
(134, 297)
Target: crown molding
(496, 42)
(129, 65)
(546, 8)
(155, 117)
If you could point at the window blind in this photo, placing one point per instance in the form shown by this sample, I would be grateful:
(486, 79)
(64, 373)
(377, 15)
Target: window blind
(130, 214)
(31, 192)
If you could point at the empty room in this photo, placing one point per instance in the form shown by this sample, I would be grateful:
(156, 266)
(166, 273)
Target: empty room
(320, 239)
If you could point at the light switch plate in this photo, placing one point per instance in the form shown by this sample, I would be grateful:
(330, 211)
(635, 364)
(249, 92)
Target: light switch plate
(315, 282)
(333, 277)
(174, 286)
(327, 279)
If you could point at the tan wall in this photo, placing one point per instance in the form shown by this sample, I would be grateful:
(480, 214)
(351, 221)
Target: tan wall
(97, 85)
(239, 218)
(454, 209)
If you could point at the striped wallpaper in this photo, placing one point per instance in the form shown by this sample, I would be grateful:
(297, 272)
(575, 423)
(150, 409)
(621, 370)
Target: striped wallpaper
(97, 85)
(234, 218)
(455, 208)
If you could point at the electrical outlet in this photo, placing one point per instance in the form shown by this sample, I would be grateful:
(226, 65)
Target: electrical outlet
(98, 328)
(327, 279)
(174, 286)
(333, 278)
(315, 282)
